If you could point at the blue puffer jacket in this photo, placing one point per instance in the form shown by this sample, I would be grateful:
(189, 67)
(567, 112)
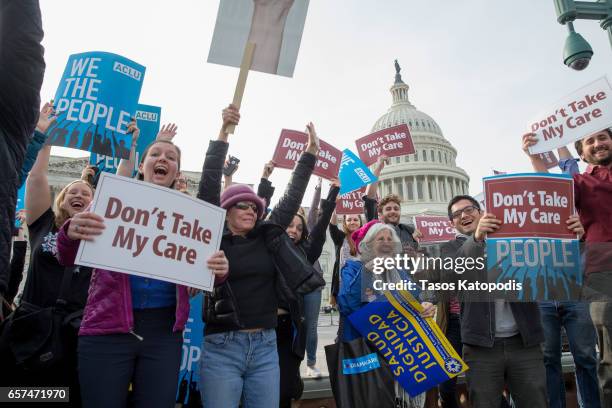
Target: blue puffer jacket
(349, 297)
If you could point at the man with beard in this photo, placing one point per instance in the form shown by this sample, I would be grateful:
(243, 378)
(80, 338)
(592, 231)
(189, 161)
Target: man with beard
(389, 210)
(593, 195)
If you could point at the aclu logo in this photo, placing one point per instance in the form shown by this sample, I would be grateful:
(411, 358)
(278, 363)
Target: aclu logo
(129, 71)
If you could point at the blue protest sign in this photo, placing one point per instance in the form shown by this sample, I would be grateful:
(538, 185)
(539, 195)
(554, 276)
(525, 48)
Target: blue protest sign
(97, 96)
(354, 174)
(193, 335)
(148, 120)
(537, 268)
(418, 353)
(20, 203)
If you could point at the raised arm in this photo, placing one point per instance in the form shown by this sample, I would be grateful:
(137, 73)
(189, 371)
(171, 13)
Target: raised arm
(372, 188)
(316, 238)
(369, 198)
(290, 202)
(38, 192)
(209, 189)
(265, 189)
(567, 163)
(530, 139)
(126, 167)
(37, 143)
(313, 211)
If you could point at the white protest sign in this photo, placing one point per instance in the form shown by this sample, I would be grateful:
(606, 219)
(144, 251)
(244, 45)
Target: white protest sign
(580, 114)
(154, 232)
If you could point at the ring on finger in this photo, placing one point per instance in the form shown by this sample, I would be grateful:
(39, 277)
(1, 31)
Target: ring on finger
(76, 228)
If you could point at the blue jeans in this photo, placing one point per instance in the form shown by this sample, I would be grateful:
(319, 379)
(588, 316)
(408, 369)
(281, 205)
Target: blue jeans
(312, 306)
(575, 318)
(240, 364)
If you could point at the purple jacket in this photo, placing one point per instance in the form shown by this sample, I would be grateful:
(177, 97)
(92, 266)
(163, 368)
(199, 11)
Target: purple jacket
(109, 303)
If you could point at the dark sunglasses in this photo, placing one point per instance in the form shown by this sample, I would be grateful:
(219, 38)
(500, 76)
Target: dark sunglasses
(245, 205)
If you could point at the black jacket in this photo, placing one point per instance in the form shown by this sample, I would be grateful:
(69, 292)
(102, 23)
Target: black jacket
(22, 69)
(338, 237)
(295, 274)
(478, 317)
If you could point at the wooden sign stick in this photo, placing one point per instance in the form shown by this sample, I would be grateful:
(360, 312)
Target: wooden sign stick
(247, 60)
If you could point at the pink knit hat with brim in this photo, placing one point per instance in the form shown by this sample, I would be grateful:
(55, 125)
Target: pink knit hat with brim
(241, 192)
(360, 234)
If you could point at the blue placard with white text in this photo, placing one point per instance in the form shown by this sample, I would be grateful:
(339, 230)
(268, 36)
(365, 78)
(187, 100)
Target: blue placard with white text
(193, 336)
(96, 98)
(419, 355)
(354, 174)
(545, 268)
(148, 121)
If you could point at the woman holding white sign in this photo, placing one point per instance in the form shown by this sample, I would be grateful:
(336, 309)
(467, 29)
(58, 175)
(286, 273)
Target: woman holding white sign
(240, 360)
(132, 326)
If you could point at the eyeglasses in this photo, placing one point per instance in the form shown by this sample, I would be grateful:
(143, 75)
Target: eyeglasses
(245, 205)
(469, 210)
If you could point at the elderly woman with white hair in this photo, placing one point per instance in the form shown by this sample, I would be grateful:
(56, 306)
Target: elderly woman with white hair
(374, 240)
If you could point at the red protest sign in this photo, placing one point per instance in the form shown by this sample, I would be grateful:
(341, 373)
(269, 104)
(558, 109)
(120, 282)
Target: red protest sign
(393, 141)
(549, 159)
(292, 143)
(435, 228)
(351, 203)
(530, 206)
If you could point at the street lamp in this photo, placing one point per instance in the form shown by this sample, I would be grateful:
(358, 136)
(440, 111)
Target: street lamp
(577, 52)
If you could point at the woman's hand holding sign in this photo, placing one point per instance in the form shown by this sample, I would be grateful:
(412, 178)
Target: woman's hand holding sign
(230, 116)
(218, 264)
(429, 310)
(85, 226)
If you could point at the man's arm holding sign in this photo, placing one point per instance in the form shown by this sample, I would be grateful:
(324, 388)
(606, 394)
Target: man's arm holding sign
(530, 139)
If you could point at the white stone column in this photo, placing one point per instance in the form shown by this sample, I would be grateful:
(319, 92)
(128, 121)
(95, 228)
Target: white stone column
(425, 188)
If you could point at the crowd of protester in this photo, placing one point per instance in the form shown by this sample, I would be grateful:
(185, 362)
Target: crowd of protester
(122, 334)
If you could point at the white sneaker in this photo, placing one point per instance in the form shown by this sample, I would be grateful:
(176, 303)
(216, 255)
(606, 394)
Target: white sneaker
(313, 372)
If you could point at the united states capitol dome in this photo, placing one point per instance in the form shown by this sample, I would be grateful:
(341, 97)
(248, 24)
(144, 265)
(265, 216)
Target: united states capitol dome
(428, 179)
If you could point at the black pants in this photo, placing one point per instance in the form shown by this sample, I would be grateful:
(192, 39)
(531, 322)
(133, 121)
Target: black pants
(448, 389)
(22, 68)
(291, 385)
(508, 361)
(107, 364)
